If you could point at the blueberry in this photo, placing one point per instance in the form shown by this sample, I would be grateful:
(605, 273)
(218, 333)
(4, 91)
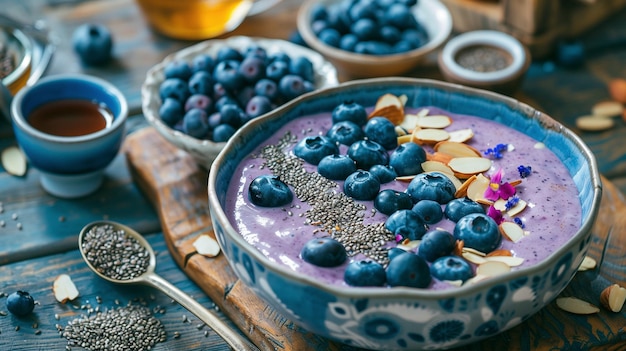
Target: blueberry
(232, 114)
(431, 186)
(20, 303)
(227, 73)
(220, 92)
(266, 87)
(361, 185)
(292, 86)
(225, 100)
(330, 37)
(394, 252)
(336, 167)
(382, 131)
(277, 70)
(400, 16)
(406, 224)
(223, 132)
(175, 88)
(177, 69)
(407, 159)
(258, 105)
(367, 154)
(318, 12)
(384, 173)
(414, 37)
(429, 210)
(252, 69)
(408, 270)
(436, 243)
(302, 67)
(324, 252)
(93, 44)
(228, 53)
(171, 111)
(362, 9)
(313, 148)
(195, 123)
(461, 207)
(373, 48)
(348, 42)
(201, 82)
(199, 101)
(255, 50)
(479, 232)
(390, 34)
(365, 273)
(389, 201)
(269, 191)
(451, 268)
(279, 56)
(364, 29)
(349, 111)
(244, 95)
(203, 62)
(345, 132)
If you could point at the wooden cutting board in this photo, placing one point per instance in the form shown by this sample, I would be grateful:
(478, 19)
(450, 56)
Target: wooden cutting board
(177, 187)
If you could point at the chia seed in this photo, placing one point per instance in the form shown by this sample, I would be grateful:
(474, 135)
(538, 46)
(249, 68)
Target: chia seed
(483, 58)
(114, 253)
(7, 61)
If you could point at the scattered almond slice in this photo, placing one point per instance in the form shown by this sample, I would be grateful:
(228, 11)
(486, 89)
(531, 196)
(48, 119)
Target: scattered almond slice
(409, 245)
(14, 161)
(511, 231)
(500, 205)
(434, 121)
(492, 268)
(436, 166)
(456, 181)
(474, 251)
(206, 246)
(477, 278)
(469, 165)
(511, 261)
(476, 190)
(517, 209)
(461, 135)
(484, 202)
(403, 99)
(456, 149)
(410, 120)
(400, 131)
(473, 258)
(594, 124)
(587, 264)
(575, 305)
(406, 178)
(613, 297)
(403, 139)
(607, 109)
(440, 157)
(389, 106)
(64, 289)
(429, 136)
(500, 252)
(462, 191)
(456, 283)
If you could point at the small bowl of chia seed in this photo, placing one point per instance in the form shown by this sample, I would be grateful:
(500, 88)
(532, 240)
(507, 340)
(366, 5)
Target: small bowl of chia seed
(485, 59)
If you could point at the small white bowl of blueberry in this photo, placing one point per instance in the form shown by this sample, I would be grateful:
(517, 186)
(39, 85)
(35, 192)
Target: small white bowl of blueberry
(197, 98)
(374, 38)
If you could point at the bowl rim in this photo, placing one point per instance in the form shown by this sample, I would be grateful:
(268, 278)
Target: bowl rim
(439, 10)
(154, 75)
(492, 38)
(26, 54)
(400, 292)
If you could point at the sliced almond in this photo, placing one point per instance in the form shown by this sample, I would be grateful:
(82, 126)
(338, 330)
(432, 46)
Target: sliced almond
(440, 157)
(469, 165)
(410, 120)
(429, 136)
(474, 251)
(511, 231)
(613, 297)
(403, 139)
(206, 246)
(511, 261)
(64, 289)
(462, 191)
(456, 181)
(456, 283)
(14, 161)
(434, 121)
(476, 189)
(587, 264)
(389, 106)
(456, 149)
(461, 135)
(406, 178)
(517, 209)
(409, 245)
(594, 124)
(472, 257)
(500, 205)
(477, 278)
(492, 268)
(500, 252)
(436, 166)
(403, 99)
(607, 109)
(575, 305)
(400, 131)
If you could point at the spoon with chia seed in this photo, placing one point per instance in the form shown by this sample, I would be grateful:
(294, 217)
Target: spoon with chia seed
(120, 255)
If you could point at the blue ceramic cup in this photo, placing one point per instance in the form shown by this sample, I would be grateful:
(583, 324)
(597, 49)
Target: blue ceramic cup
(70, 166)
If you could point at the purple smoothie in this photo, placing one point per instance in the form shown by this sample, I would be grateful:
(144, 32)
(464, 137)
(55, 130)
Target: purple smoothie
(552, 216)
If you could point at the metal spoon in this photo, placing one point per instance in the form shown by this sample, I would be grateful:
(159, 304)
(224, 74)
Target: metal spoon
(149, 277)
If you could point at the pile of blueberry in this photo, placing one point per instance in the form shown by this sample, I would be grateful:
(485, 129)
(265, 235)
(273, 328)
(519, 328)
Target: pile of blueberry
(372, 27)
(211, 97)
(374, 158)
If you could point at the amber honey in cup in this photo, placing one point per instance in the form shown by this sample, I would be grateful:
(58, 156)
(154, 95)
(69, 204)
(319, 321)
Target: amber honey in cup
(195, 19)
(71, 117)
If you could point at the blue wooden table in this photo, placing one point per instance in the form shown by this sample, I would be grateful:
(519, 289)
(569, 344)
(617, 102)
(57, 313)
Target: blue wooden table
(39, 238)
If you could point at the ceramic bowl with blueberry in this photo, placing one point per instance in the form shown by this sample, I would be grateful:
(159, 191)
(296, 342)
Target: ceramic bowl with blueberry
(411, 214)
(366, 38)
(197, 98)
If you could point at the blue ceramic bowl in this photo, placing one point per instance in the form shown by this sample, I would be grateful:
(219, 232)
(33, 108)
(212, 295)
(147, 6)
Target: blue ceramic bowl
(405, 318)
(71, 166)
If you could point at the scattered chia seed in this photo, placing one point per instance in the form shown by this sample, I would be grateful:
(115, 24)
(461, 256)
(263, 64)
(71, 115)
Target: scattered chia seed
(129, 327)
(114, 253)
(483, 58)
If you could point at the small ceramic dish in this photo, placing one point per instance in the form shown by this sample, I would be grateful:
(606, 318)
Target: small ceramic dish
(485, 59)
(431, 14)
(204, 151)
(17, 48)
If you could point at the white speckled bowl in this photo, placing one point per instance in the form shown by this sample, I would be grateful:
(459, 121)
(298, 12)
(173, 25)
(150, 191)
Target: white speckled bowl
(405, 318)
(205, 151)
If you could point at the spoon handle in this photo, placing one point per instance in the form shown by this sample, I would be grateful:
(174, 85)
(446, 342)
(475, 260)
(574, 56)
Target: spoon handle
(232, 337)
